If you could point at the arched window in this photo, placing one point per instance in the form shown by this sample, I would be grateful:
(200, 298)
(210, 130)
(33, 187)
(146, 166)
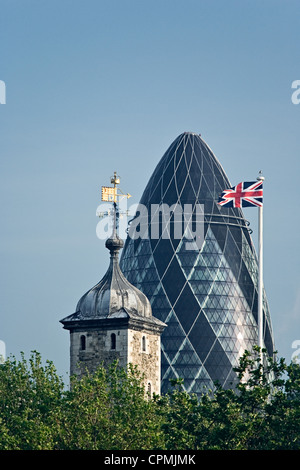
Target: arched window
(149, 389)
(144, 343)
(113, 341)
(82, 342)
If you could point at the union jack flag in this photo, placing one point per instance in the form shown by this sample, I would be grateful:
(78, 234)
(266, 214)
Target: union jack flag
(243, 195)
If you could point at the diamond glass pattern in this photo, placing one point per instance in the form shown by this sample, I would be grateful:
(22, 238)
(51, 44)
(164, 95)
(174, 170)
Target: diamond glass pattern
(207, 297)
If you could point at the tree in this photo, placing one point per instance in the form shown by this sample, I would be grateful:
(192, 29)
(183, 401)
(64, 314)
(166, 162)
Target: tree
(30, 399)
(110, 409)
(262, 413)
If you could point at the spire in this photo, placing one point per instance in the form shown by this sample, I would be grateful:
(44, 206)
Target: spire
(114, 243)
(114, 295)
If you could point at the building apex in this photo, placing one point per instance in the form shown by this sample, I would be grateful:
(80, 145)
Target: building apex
(114, 296)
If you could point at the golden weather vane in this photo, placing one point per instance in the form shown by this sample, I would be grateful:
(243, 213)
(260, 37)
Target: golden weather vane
(110, 194)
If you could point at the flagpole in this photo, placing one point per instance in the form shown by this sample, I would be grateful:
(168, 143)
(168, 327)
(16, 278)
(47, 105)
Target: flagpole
(260, 274)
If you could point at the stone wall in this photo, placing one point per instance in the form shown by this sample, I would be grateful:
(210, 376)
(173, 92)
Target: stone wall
(145, 354)
(137, 347)
(97, 350)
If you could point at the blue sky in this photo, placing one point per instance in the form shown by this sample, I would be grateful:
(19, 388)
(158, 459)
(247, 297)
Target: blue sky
(98, 86)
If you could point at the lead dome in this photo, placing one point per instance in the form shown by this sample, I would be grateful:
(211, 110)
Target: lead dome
(113, 295)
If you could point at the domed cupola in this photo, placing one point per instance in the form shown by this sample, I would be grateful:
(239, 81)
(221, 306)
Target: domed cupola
(113, 322)
(113, 296)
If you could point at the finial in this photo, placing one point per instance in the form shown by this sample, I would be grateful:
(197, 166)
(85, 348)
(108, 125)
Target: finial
(115, 179)
(110, 194)
(260, 176)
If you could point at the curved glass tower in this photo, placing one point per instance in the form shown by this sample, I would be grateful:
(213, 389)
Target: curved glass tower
(206, 293)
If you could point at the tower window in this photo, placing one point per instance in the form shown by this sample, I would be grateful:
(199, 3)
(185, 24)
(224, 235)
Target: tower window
(149, 389)
(113, 341)
(144, 343)
(83, 342)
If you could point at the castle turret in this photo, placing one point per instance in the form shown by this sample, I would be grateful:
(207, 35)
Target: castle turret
(114, 321)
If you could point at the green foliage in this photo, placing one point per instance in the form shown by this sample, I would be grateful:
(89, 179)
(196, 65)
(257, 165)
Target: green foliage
(110, 410)
(30, 401)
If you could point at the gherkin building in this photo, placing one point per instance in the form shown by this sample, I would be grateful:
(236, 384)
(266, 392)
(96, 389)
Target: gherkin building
(207, 293)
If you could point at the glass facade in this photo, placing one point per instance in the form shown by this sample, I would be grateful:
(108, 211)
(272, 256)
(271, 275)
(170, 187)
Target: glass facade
(207, 296)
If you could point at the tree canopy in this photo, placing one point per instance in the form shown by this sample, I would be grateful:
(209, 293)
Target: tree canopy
(110, 410)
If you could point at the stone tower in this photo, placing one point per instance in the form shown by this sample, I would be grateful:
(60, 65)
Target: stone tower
(113, 321)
